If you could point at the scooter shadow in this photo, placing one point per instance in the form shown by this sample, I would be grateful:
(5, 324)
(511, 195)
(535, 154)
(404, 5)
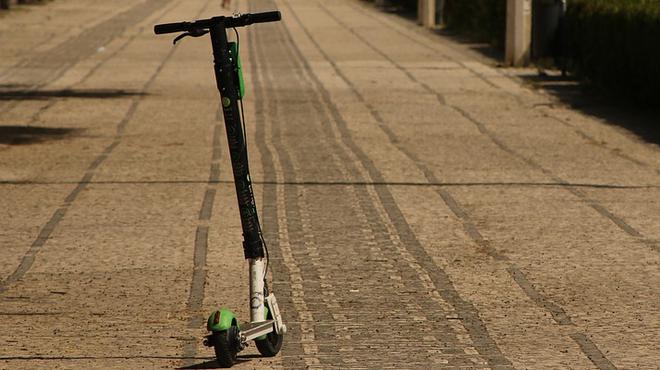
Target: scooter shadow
(213, 364)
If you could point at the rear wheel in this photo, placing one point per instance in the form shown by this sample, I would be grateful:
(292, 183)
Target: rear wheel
(226, 344)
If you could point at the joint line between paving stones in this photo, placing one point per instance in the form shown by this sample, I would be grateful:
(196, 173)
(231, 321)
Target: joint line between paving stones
(45, 233)
(444, 55)
(592, 140)
(484, 344)
(216, 180)
(595, 205)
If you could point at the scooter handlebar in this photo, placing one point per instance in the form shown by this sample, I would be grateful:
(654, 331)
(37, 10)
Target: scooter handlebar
(160, 29)
(229, 22)
(264, 17)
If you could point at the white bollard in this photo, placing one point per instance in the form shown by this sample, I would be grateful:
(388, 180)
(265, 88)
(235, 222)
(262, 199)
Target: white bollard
(518, 32)
(428, 12)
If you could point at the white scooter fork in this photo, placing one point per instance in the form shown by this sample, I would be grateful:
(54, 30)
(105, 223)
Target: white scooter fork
(259, 323)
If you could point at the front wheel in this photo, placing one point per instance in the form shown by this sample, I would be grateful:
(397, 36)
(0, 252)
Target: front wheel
(226, 344)
(271, 345)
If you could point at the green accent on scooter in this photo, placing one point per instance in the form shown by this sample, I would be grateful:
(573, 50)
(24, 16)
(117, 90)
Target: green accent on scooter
(220, 320)
(233, 48)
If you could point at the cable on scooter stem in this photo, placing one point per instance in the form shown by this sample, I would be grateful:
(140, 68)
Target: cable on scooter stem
(245, 148)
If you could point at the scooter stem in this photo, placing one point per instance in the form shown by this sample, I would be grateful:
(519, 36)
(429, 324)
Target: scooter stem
(257, 311)
(225, 73)
(253, 248)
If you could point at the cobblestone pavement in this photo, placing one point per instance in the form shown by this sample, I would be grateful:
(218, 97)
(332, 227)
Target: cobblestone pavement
(423, 209)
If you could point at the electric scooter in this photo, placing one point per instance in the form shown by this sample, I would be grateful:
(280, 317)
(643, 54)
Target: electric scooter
(266, 328)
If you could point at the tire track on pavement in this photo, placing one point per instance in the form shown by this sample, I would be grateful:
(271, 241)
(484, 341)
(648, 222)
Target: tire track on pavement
(300, 350)
(195, 300)
(46, 231)
(477, 330)
(381, 247)
(557, 312)
(315, 283)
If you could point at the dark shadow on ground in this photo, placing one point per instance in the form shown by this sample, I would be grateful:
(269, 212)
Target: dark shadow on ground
(213, 364)
(400, 10)
(17, 94)
(613, 110)
(26, 135)
(481, 48)
(12, 86)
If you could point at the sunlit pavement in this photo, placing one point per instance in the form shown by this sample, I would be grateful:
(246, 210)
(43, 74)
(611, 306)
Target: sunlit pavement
(423, 208)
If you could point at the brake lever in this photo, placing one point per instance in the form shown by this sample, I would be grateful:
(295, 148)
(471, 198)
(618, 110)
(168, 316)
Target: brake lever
(192, 33)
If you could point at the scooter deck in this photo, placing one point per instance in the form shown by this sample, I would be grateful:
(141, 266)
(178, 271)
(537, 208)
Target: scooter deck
(254, 330)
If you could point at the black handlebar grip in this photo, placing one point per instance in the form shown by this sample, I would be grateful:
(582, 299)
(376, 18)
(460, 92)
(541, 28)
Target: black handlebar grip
(228, 22)
(171, 27)
(273, 16)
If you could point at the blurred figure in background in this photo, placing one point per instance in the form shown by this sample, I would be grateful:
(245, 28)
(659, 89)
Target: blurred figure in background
(226, 4)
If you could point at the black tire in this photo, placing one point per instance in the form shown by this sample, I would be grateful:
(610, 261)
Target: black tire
(270, 346)
(226, 347)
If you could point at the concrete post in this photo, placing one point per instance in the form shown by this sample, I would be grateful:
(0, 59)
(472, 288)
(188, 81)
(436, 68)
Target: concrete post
(518, 32)
(427, 12)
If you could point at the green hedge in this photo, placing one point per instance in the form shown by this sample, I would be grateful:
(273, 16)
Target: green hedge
(615, 45)
(484, 20)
